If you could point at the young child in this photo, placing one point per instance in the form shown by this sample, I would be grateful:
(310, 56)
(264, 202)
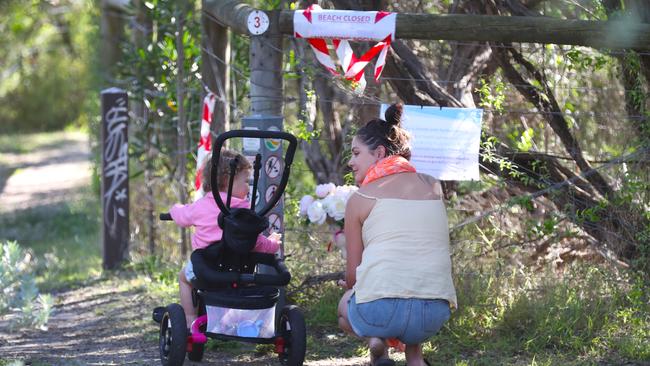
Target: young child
(203, 215)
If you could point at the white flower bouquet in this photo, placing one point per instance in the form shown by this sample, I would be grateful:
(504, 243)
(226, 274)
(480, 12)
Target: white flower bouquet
(328, 207)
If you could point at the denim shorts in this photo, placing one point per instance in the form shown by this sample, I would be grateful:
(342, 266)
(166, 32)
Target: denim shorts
(189, 271)
(412, 321)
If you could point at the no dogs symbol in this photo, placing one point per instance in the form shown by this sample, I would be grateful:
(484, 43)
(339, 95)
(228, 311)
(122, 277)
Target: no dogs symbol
(273, 166)
(270, 191)
(275, 222)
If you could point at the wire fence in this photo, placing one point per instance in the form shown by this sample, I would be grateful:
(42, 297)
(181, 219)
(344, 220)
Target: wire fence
(313, 245)
(605, 122)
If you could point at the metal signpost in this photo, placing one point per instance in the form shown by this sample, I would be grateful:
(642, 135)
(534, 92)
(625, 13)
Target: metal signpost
(272, 165)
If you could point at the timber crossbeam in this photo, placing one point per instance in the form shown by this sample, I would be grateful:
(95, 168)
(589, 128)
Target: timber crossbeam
(616, 34)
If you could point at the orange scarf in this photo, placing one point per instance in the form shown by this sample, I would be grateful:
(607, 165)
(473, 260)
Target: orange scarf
(387, 166)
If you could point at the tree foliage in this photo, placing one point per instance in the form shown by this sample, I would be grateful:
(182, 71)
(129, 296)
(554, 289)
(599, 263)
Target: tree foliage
(47, 73)
(565, 128)
(556, 125)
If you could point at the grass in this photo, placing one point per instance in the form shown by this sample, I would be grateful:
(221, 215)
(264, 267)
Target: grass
(24, 143)
(64, 239)
(584, 318)
(587, 316)
(324, 338)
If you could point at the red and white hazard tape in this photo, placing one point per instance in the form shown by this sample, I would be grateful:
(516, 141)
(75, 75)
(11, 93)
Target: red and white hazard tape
(205, 142)
(352, 66)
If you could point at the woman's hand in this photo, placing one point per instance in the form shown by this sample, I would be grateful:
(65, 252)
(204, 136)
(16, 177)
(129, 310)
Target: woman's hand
(342, 283)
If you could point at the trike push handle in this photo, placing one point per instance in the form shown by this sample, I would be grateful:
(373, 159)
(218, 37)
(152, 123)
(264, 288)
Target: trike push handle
(288, 160)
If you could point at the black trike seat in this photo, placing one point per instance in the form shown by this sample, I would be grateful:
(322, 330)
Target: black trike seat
(217, 267)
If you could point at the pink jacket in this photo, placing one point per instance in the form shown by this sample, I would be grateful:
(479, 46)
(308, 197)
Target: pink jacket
(203, 214)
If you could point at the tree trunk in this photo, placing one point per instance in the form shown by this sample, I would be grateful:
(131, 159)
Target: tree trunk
(215, 53)
(181, 126)
(546, 103)
(112, 31)
(141, 37)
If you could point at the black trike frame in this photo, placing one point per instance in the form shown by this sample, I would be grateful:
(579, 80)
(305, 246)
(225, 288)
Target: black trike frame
(214, 283)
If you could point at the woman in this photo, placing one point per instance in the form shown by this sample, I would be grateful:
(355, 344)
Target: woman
(398, 270)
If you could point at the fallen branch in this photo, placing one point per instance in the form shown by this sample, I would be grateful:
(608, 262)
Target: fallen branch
(312, 281)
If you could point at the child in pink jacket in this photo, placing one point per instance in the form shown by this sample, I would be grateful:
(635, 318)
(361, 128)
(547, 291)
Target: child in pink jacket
(203, 215)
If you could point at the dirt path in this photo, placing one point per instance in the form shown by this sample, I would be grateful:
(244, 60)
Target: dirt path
(107, 322)
(51, 174)
(101, 324)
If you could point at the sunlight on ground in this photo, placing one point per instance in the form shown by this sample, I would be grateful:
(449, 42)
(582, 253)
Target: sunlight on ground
(49, 170)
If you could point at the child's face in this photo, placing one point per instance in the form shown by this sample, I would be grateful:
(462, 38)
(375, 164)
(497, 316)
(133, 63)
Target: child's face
(240, 186)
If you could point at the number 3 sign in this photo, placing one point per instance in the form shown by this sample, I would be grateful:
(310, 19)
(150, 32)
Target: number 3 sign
(258, 22)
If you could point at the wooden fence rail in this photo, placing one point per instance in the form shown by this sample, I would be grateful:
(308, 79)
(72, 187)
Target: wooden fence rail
(623, 33)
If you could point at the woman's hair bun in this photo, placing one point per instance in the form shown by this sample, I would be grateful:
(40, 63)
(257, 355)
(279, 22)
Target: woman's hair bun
(393, 114)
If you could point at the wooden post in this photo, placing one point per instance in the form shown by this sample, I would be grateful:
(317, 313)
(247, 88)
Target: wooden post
(267, 99)
(266, 54)
(266, 90)
(215, 53)
(115, 177)
(266, 70)
(112, 31)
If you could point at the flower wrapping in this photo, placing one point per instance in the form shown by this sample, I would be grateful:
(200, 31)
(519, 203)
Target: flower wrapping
(328, 207)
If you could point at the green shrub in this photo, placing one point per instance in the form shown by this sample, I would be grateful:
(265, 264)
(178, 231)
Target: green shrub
(20, 294)
(587, 312)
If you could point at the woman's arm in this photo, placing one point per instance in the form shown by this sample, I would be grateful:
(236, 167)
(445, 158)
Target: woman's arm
(353, 241)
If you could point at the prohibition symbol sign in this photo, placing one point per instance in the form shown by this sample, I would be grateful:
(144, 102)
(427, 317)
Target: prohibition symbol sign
(273, 166)
(270, 191)
(276, 223)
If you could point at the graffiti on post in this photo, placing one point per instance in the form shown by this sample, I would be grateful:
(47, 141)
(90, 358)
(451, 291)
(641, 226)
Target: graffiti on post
(116, 158)
(115, 174)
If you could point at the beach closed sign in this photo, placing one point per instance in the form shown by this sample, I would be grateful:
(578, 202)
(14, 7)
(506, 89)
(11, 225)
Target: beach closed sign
(445, 141)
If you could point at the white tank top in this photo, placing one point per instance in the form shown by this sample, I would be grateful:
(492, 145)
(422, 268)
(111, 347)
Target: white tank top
(406, 252)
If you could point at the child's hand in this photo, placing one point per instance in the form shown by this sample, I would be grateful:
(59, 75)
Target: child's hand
(275, 237)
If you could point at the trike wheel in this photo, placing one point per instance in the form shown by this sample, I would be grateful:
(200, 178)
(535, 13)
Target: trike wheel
(173, 336)
(294, 332)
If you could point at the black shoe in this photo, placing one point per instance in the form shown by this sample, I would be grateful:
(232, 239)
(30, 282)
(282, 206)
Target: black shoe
(158, 314)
